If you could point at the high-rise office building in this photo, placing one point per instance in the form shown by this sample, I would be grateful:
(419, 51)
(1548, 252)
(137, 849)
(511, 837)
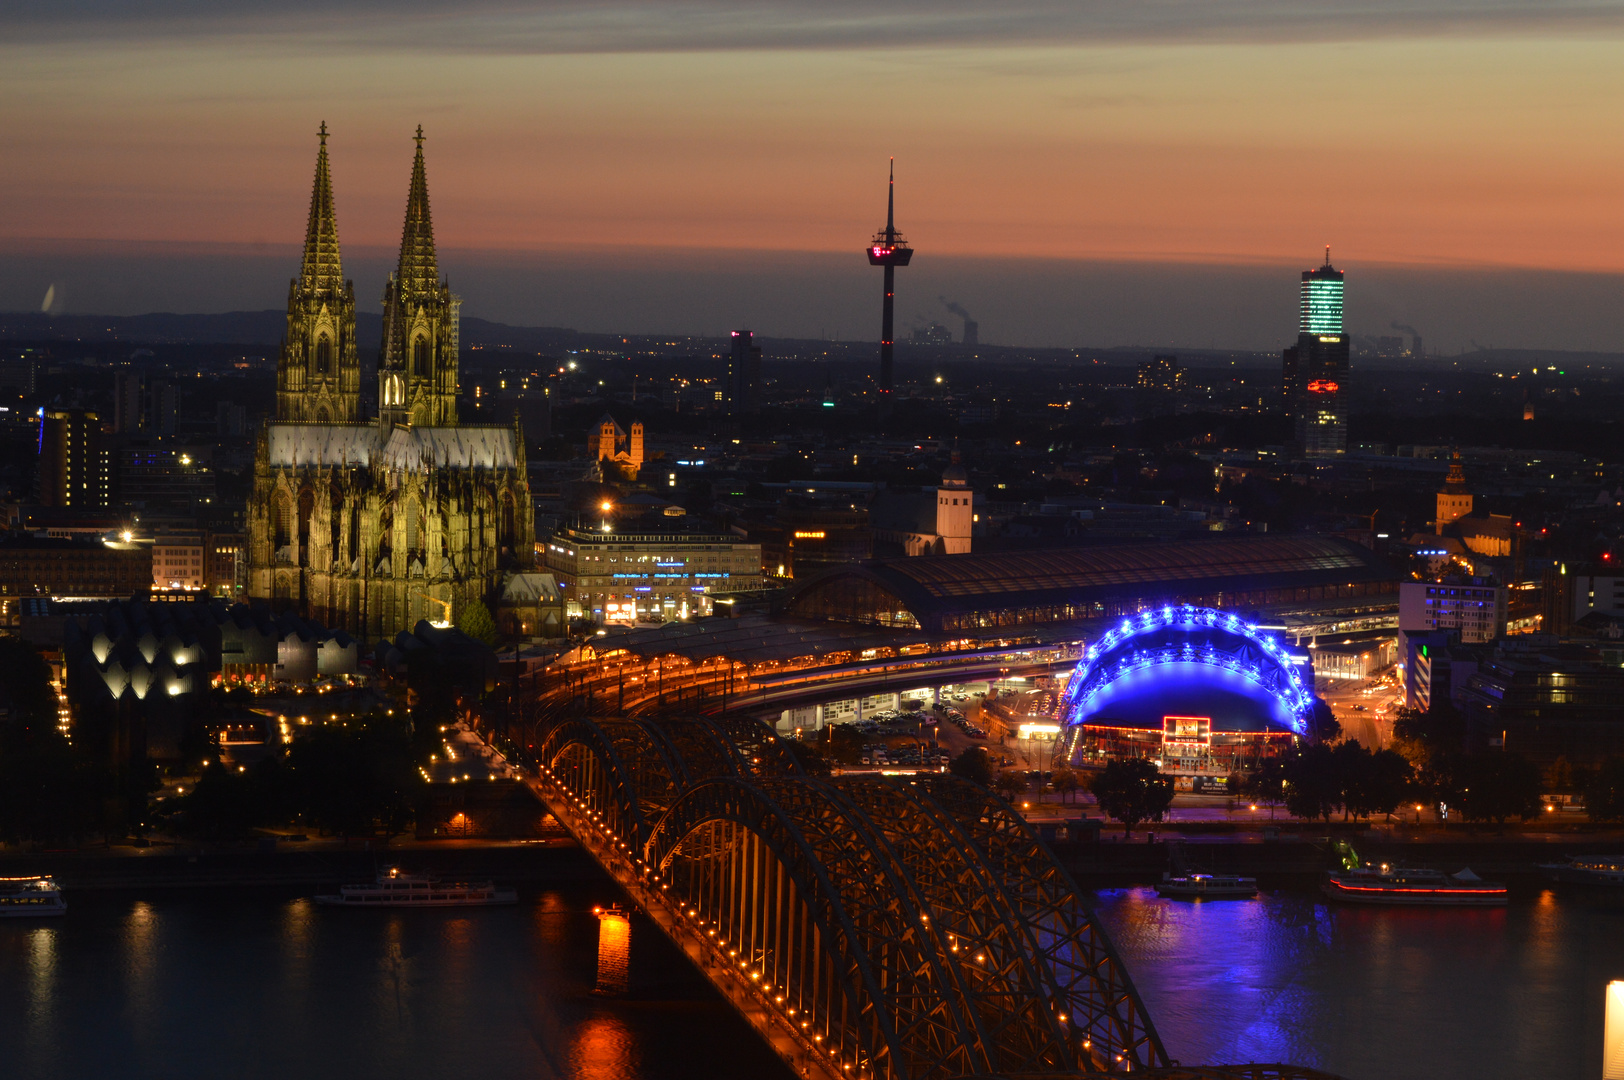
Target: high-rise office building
(127, 402)
(1315, 370)
(75, 466)
(742, 392)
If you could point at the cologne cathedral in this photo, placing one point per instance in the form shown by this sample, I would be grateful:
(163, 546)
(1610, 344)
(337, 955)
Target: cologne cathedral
(370, 525)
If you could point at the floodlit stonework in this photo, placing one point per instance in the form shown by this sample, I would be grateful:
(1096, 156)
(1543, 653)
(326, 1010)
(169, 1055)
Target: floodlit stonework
(371, 525)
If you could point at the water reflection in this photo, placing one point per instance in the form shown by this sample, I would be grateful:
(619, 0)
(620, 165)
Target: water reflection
(264, 987)
(41, 952)
(1366, 992)
(604, 1048)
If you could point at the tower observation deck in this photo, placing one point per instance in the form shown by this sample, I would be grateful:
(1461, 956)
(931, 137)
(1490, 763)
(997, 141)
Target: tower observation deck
(890, 250)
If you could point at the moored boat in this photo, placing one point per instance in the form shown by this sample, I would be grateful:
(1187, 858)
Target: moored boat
(1587, 870)
(1207, 887)
(1412, 886)
(396, 888)
(30, 897)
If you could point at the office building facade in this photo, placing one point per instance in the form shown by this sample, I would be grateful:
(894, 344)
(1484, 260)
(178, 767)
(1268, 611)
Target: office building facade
(75, 464)
(617, 577)
(742, 391)
(1315, 370)
(1476, 609)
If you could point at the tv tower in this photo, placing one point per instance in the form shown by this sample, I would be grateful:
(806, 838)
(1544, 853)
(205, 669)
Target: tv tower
(889, 250)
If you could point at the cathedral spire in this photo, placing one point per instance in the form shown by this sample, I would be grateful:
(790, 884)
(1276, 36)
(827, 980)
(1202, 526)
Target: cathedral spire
(418, 272)
(321, 268)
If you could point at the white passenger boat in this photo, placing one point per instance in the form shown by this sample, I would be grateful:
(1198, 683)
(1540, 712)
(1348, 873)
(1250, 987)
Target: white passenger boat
(1410, 885)
(1207, 887)
(29, 897)
(396, 888)
(1588, 870)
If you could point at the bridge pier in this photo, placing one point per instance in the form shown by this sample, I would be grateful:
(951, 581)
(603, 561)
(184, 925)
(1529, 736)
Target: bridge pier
(614, 950)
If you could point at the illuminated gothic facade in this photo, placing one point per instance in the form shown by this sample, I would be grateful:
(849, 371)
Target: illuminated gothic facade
(372, 524)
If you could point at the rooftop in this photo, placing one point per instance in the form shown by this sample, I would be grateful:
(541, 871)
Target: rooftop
(1086, 579)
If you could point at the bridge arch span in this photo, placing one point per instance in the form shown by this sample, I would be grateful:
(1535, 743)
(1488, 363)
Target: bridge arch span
(786, 873)
(885, 893)
(616, 771)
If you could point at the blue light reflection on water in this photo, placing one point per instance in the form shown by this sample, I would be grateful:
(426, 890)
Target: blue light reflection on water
(259, 984)
(1374, 993)
(1234, 702)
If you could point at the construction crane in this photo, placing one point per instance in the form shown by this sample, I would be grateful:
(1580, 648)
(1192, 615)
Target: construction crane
(441, 623)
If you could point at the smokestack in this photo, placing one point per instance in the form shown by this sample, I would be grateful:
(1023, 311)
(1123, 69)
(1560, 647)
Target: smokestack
(971, 327)
(1415, 345)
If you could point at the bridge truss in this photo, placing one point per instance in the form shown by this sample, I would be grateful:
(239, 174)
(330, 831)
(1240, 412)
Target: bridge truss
(869, 927)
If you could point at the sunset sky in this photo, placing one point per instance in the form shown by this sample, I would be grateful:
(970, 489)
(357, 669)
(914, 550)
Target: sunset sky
(673, 153)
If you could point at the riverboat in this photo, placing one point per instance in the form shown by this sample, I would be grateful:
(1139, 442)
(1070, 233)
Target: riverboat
(1207, 887)
(1412, 886)
(30, 897)
(396, 888)
(1588, 870)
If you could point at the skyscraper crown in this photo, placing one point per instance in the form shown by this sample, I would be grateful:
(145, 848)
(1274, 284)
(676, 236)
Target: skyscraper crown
(1321, 303)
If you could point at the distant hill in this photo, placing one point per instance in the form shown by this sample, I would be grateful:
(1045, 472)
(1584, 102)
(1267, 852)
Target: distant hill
(263, 328)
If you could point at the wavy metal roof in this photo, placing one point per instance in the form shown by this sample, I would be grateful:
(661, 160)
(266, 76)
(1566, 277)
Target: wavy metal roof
(933, 586)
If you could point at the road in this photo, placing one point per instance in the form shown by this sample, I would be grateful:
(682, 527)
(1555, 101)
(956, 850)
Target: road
(1364, 707)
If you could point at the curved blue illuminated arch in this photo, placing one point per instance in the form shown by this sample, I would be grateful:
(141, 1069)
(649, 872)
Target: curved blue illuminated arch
(1259, 659)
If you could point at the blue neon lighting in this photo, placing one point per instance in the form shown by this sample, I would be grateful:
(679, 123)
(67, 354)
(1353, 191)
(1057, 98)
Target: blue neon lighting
(1101, 664)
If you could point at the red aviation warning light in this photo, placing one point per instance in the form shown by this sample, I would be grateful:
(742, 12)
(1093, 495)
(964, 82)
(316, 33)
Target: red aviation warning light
(889, 250)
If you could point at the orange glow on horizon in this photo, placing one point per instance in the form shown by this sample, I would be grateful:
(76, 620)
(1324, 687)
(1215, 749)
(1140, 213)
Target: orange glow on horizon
(1434, 152)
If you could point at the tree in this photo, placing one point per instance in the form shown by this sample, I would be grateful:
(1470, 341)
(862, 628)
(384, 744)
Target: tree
(226, 803)
(810, 759)
(1313, 782)
(1389, 782)
(475, 621)
(974, 765)
(51, 792)
(842, 743)
(1132, 791)
(350, 779)
(1604, 793)
(1065, 782)
(1011, 784)
(1323, 726)
(1497, 786)
(1266, 783)
(1424, 737)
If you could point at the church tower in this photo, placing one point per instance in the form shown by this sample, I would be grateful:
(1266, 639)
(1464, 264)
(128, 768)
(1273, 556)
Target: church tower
(318, 377)
(1455, 500)
(417, 368)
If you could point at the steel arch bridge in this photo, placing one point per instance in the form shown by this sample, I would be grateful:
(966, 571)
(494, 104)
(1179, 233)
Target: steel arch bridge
(870, 928)
(1171, 635)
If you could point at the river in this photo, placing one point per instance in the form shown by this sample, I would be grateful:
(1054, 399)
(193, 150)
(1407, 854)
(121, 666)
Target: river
(262, 983)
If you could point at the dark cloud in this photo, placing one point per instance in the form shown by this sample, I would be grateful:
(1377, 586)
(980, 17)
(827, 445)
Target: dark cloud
(651, 25)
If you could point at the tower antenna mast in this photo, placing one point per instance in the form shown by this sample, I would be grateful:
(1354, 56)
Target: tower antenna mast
(889, 250)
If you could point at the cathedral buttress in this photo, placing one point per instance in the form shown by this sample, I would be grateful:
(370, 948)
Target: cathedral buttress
(417, 366)
(318, 375)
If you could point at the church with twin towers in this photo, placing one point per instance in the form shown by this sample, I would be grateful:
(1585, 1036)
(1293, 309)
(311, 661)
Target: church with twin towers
(369, 524)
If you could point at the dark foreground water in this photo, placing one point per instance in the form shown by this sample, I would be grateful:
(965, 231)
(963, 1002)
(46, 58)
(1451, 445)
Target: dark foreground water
(257, 984)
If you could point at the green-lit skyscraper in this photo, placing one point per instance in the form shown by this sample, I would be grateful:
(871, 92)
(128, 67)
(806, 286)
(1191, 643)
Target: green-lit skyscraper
(1316, 368)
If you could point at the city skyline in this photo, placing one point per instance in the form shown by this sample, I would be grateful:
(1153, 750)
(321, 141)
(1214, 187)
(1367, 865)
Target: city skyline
(1053, 144)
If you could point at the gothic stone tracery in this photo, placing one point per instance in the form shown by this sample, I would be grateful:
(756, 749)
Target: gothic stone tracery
(371, 525)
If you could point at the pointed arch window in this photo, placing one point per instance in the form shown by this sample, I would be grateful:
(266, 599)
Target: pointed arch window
(324, 355)
(420, 356)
